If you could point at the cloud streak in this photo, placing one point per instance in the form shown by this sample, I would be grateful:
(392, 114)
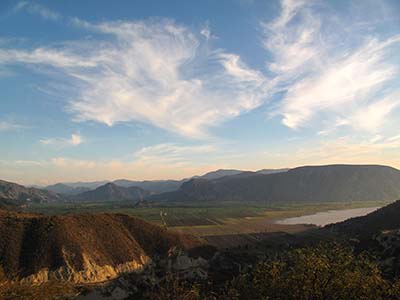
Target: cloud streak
(74, 140)
(10, 126)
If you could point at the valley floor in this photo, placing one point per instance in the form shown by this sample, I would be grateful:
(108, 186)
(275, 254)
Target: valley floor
(225, 226)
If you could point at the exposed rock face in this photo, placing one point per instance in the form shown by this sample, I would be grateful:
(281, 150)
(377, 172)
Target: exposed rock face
(177, 262)
(81, 248)
(90, 273)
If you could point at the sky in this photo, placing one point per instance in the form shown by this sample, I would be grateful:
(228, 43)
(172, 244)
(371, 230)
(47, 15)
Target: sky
(94, 90)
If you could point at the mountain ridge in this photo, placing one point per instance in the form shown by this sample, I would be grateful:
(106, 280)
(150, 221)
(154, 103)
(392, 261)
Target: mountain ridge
(13, 194)
(327, 183)
(112, 192)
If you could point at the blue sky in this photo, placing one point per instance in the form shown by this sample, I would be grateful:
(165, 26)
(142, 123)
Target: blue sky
(170, 89)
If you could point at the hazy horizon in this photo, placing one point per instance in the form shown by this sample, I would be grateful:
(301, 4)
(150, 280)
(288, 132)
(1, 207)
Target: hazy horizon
(168, 90)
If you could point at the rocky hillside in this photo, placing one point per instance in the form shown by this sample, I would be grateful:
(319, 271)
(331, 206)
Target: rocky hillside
(82, 248)
(12, 194)
(304, 184)
(112, 192)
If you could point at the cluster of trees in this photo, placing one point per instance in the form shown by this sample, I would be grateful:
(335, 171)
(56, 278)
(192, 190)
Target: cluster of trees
(324, 272)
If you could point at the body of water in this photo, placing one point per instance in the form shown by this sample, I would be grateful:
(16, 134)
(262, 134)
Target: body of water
(328, 217)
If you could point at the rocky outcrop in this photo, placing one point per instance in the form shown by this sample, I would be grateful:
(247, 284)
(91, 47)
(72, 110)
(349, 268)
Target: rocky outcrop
(179, 262)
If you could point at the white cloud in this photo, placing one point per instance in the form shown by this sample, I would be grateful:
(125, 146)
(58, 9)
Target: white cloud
(154, 72)
(47, 56)
(291, 46)
(169, 153)
(206, 32)
(37, 9)
(373, 116)
(238, 70)
(75, 140)
(28, 163)
(323, 75)
(73, 163)
(161, 73)
(394, 138)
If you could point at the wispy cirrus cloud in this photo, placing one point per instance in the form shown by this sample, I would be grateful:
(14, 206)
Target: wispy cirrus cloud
(323, 74)
(152, 71)
(37, 9)
(10, 126)
(161, 73)
(169, 153)
(46, 56)
(74, 140)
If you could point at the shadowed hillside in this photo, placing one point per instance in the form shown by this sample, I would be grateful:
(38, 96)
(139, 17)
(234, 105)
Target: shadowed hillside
(304, 184)
(385, 218)
(81, 248)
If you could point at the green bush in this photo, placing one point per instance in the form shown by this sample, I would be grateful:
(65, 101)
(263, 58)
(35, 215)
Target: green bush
(325, 272)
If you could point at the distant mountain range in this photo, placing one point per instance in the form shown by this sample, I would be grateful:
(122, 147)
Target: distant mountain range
(61, 188)
(152, 186)
(12, 194)
(332, 183)
(231, 172)
(112, 192)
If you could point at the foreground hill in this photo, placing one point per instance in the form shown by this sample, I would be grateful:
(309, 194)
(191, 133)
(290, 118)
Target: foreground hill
(304, 184)
(385, 218)
(81, 248)
(112, 192)
(12, 194)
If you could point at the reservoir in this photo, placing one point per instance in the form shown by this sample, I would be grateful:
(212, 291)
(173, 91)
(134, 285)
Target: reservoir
(328, 217)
